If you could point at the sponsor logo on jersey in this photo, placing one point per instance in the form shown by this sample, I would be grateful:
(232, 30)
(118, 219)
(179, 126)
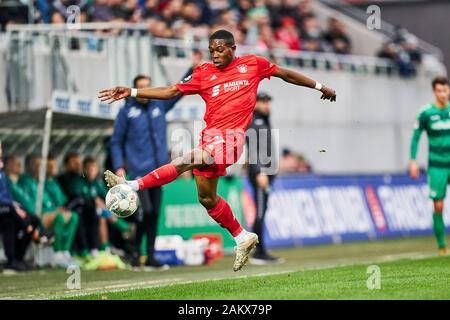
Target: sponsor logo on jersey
(435, 117)
(242, 68)
(440, 125)
(214, 77)
(235, 85)
(156, 112)
(134, 112)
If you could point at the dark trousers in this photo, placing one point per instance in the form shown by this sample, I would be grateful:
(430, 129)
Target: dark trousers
(15, 236)
(146, 219)
(260, 196)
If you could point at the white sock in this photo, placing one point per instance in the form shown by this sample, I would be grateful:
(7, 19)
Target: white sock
(241, 236)
(133, 184)
(66, 255)
(58, 255)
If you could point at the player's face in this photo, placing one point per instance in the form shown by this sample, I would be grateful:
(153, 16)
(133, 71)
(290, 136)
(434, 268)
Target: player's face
(221, 53)
(442, 93)
(263, 106)
(36, 166)
(91, 171)
(74, 164)
(14, 166)
(52, 168)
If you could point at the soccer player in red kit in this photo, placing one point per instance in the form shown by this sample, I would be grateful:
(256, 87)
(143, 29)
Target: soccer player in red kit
(228, 86)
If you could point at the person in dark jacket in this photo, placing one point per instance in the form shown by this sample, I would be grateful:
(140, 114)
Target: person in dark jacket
(138, 146)
(72, 182)
(16, 225)
(260, 171)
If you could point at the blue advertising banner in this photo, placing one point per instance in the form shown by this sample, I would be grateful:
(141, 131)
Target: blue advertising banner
(311, 209)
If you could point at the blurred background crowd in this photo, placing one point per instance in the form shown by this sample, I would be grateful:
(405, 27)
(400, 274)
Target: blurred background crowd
(263, 24)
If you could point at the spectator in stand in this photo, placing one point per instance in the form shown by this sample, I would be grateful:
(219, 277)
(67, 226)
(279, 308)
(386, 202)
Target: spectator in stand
(60, 12)
(192, 13)
(311, 34)
(102, 11)
(302, 11)
(266, 40)
(388, 51)
(288, 34)
(292, 163)
(337, 38)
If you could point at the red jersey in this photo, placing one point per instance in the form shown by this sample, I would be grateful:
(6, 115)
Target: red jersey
(230, 93)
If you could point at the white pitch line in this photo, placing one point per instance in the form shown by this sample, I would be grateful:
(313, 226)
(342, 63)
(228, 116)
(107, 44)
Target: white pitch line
(172, 282)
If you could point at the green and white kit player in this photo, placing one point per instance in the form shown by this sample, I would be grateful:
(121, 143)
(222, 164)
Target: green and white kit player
(434, 118)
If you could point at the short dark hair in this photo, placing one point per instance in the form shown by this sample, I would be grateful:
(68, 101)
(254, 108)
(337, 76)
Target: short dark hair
(263, 96)
(223, 35)
(69, 156)
(29, 159)
(10, 157)
(89, 160)
(439, 80)
(140, 77)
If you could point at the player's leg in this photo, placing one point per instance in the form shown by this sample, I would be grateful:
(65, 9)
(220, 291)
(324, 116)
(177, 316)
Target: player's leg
(220, 211)
(70, 229)
(437, 181)
(64, 226)
(139, 216)
(151, 226)
(439, 226)
(9, 233)
(196, 158)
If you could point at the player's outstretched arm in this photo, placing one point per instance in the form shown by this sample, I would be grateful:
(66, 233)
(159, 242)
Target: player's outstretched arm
(302, 80)
(414, 170)
(117, 93)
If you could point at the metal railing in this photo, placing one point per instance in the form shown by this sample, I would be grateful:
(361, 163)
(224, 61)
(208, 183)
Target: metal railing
(125, 50)
(175, 48)
(43, 58)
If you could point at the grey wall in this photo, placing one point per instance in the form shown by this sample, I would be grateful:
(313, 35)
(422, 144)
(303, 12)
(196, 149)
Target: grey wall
(429, 20)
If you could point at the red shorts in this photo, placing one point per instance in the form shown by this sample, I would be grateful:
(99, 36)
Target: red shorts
(225, 149)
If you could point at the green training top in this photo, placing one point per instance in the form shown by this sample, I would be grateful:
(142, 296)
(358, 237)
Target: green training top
(55, 192)
(436, 123)
(93, 189)
(19, 195)
(52, 198)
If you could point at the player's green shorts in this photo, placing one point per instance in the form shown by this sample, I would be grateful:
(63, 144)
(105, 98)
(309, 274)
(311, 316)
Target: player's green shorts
(438, 179)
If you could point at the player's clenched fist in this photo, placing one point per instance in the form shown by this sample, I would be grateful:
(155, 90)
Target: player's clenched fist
(414, 170)
(328, 94)
(113, 94)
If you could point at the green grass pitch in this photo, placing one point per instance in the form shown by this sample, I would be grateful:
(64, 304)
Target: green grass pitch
(409, 269)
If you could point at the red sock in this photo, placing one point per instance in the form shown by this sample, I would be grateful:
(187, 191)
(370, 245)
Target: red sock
(163, 175)
(223, 215)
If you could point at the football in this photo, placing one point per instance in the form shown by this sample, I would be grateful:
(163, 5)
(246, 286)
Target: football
(122, 200)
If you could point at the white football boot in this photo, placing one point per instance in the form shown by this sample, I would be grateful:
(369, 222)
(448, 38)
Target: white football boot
(112, 179)
(243, 250)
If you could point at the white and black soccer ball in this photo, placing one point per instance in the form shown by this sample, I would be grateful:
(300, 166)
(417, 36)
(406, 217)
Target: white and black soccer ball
(122, 200)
